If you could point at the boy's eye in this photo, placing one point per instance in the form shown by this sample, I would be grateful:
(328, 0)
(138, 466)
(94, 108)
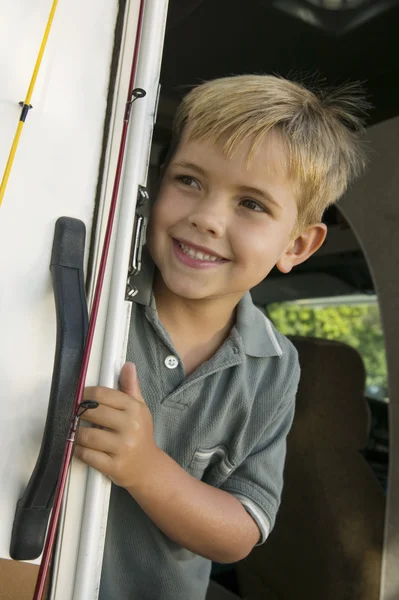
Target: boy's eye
(253, 205)
(188, 180)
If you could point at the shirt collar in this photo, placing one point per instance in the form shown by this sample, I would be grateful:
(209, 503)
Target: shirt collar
(256, 331)
(254, 328)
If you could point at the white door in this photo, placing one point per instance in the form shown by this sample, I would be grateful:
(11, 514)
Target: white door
(63, 167)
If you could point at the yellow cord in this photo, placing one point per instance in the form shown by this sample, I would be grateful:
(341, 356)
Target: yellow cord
(26, 104)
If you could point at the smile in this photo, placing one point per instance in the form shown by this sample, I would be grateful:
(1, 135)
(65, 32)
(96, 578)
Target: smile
(197, 254)
(195, 258)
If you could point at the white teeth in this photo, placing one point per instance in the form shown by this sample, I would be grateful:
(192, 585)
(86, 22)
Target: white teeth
(199, 255)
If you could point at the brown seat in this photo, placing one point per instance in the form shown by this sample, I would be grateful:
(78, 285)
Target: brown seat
(17, 580)
(328, 537)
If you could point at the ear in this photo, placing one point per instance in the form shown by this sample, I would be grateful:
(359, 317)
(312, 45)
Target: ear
(302, 247)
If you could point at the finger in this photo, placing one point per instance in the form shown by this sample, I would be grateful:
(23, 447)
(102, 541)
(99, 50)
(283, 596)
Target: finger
(97, 439)
(106, 416)
(129, 381)
(93, 458)
(107, 396)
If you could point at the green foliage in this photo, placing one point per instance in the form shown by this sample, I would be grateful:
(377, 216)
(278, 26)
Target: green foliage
(356, 325)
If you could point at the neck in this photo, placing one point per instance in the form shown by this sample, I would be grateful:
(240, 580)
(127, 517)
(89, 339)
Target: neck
(204, 318)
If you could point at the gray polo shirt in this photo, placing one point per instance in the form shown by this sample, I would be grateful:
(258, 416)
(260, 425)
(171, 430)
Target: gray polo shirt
(225, 424)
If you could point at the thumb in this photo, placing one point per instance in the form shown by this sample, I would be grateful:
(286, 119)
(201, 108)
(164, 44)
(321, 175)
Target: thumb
(129, 382)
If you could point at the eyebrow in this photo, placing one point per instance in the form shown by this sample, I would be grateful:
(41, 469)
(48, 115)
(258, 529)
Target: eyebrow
(189, 165)
(246, 189)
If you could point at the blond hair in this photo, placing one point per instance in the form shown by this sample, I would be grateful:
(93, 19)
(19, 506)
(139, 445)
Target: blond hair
(320, 130)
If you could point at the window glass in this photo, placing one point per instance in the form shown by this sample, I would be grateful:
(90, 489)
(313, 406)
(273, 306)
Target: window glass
(354, 320)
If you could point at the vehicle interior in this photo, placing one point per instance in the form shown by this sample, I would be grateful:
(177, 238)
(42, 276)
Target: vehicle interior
(329, 536)
(334, 538)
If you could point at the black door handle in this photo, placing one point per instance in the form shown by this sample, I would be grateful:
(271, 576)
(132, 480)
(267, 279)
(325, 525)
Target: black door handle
(33, 509)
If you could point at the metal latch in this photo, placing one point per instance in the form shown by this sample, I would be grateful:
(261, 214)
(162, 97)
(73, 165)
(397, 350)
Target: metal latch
(137, 244)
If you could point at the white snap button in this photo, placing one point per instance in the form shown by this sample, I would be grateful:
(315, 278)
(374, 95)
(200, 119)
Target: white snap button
(171, 362)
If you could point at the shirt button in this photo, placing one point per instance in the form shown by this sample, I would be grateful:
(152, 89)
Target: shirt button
(171, 362)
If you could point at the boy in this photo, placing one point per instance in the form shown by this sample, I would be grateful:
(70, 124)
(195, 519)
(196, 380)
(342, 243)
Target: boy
(196, 451)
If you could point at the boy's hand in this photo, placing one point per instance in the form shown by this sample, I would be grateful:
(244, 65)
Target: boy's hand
(125, 447)
(197, 516)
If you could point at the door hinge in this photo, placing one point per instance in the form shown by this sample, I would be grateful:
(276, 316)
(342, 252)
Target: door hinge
(138, 240)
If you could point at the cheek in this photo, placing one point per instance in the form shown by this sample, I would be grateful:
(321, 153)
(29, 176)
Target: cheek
(257, 250)
(159, 216)
(167, 210)
(257, 244)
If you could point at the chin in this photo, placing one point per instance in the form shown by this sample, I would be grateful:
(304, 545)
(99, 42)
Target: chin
(189, 290)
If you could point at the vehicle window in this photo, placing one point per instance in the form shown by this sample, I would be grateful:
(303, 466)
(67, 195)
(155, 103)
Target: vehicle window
(354, 320)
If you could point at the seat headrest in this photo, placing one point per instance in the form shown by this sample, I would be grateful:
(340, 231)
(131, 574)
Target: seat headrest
(331, 392)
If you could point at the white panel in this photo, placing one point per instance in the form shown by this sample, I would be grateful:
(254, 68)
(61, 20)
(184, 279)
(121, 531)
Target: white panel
(68, 546)
(55, 173)
(137, 156)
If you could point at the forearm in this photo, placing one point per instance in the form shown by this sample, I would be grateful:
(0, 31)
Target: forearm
(197, 516)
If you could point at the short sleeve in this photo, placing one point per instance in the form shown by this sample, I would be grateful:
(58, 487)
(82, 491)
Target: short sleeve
(257, 483)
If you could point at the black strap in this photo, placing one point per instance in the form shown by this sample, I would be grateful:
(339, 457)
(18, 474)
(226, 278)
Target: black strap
(33, 509)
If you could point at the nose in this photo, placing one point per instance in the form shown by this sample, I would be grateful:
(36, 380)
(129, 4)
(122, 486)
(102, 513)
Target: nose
(210, 216)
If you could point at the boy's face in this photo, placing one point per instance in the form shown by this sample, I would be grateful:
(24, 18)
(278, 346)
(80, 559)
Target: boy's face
(219, 226)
